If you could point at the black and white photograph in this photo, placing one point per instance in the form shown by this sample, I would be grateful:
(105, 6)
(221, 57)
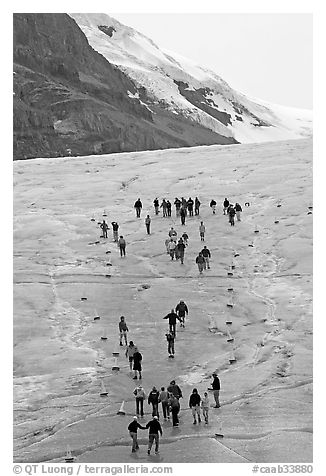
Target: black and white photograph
(162, 239)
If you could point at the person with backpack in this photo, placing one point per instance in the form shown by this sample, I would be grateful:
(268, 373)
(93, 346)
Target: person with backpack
(133, 427)
(168, 207)
(213, 206)
(181, 250)
(164, 206)
(182, 311)
(153, 398)
(190, 206)
(238, 211)
(156, 206)
(172, 246)
(202, 230)
(155, 428)
(226, 203)
(164, 400)
(200, 263)
(138, 206)
(130, 353)
(231, 213)
(123, 329)
(115, 228)
(183, 215)
(197, 205)
(194, 405)
(104, 227)
(172, 316)
(140, 396)
(122, 246)
(148, 224)
(177, 203)
(170, 338)
(206, 254)
(175, 390)
(205, 406)
(175, 408)
(137, 363)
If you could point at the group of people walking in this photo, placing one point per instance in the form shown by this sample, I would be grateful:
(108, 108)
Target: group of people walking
(169, 398)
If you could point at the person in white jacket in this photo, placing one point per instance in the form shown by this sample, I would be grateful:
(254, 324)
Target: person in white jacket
(202, 231)
(172, 246)
(205, 406)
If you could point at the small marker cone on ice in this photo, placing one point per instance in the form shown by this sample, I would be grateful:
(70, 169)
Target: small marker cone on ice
(115, 366)
(276, 220)
(256, 229)
(230, 273)
(219, 433)
(83, 298)
(93, 218)
(104, 335)
(228, 321)
(115, 352)
(69, 458)
(230, 303)
(103, 392)
(96, 316)
(104, 213)
(233, 265)
(121, 410)
(230, 289)
(229, 336)
(232, 358)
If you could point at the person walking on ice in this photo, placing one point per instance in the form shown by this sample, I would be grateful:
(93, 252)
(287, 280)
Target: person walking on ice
(138, 206)
(164, 205)
(175, 390)
(130, 353)
(172, 316)
(164, 399)
(175, 408)
(202, 231)
(155, 428)
(216, 386)
(182, 311)
(206, 255)
(173, 234)
(177, 203)
(156, 206)
(123, 329)
(133, 427)
(122, 246)
(148, 224)
(231, 212)
(197, 205)
(153, 398)
(226, 204)
(137, 364)
(181, 250)
(238, 211)
(140, 395)
(104, 227)
(170, 338)
(185, 238)
(115, 228)
(194, 404)
(168, 207)
(172, 246)
(200, 263)
(183, 215)
(213, 206)
(205, 406)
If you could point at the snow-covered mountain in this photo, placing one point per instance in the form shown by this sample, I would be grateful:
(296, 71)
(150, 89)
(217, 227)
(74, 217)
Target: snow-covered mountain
(187, 89)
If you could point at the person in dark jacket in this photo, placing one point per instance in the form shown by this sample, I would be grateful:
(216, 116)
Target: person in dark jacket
(168, 207)
(164, 206)
(137, 363)
(138, 206)
(123, 329)
(104, 227)
(182, 311)
(172, 316)
(231, 213)
(226, 203)
(153, 398)
(175, 389)
(164, 399)
(194, 404)
(238, 211)
(115, 228)
(175, 408)
(185, 238)
(155, 428)
(197, 205)
(177, 203)
(183, 215)
(213, 206)
(184, 204)
(170, 338)
(216, 386)
(206, 254)
(133, 427)
(148, 224)
(156, 206)
(122, 246)
(190, 206)
(181, 250)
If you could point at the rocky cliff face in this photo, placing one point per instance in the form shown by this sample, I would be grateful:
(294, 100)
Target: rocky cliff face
(69, 100)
